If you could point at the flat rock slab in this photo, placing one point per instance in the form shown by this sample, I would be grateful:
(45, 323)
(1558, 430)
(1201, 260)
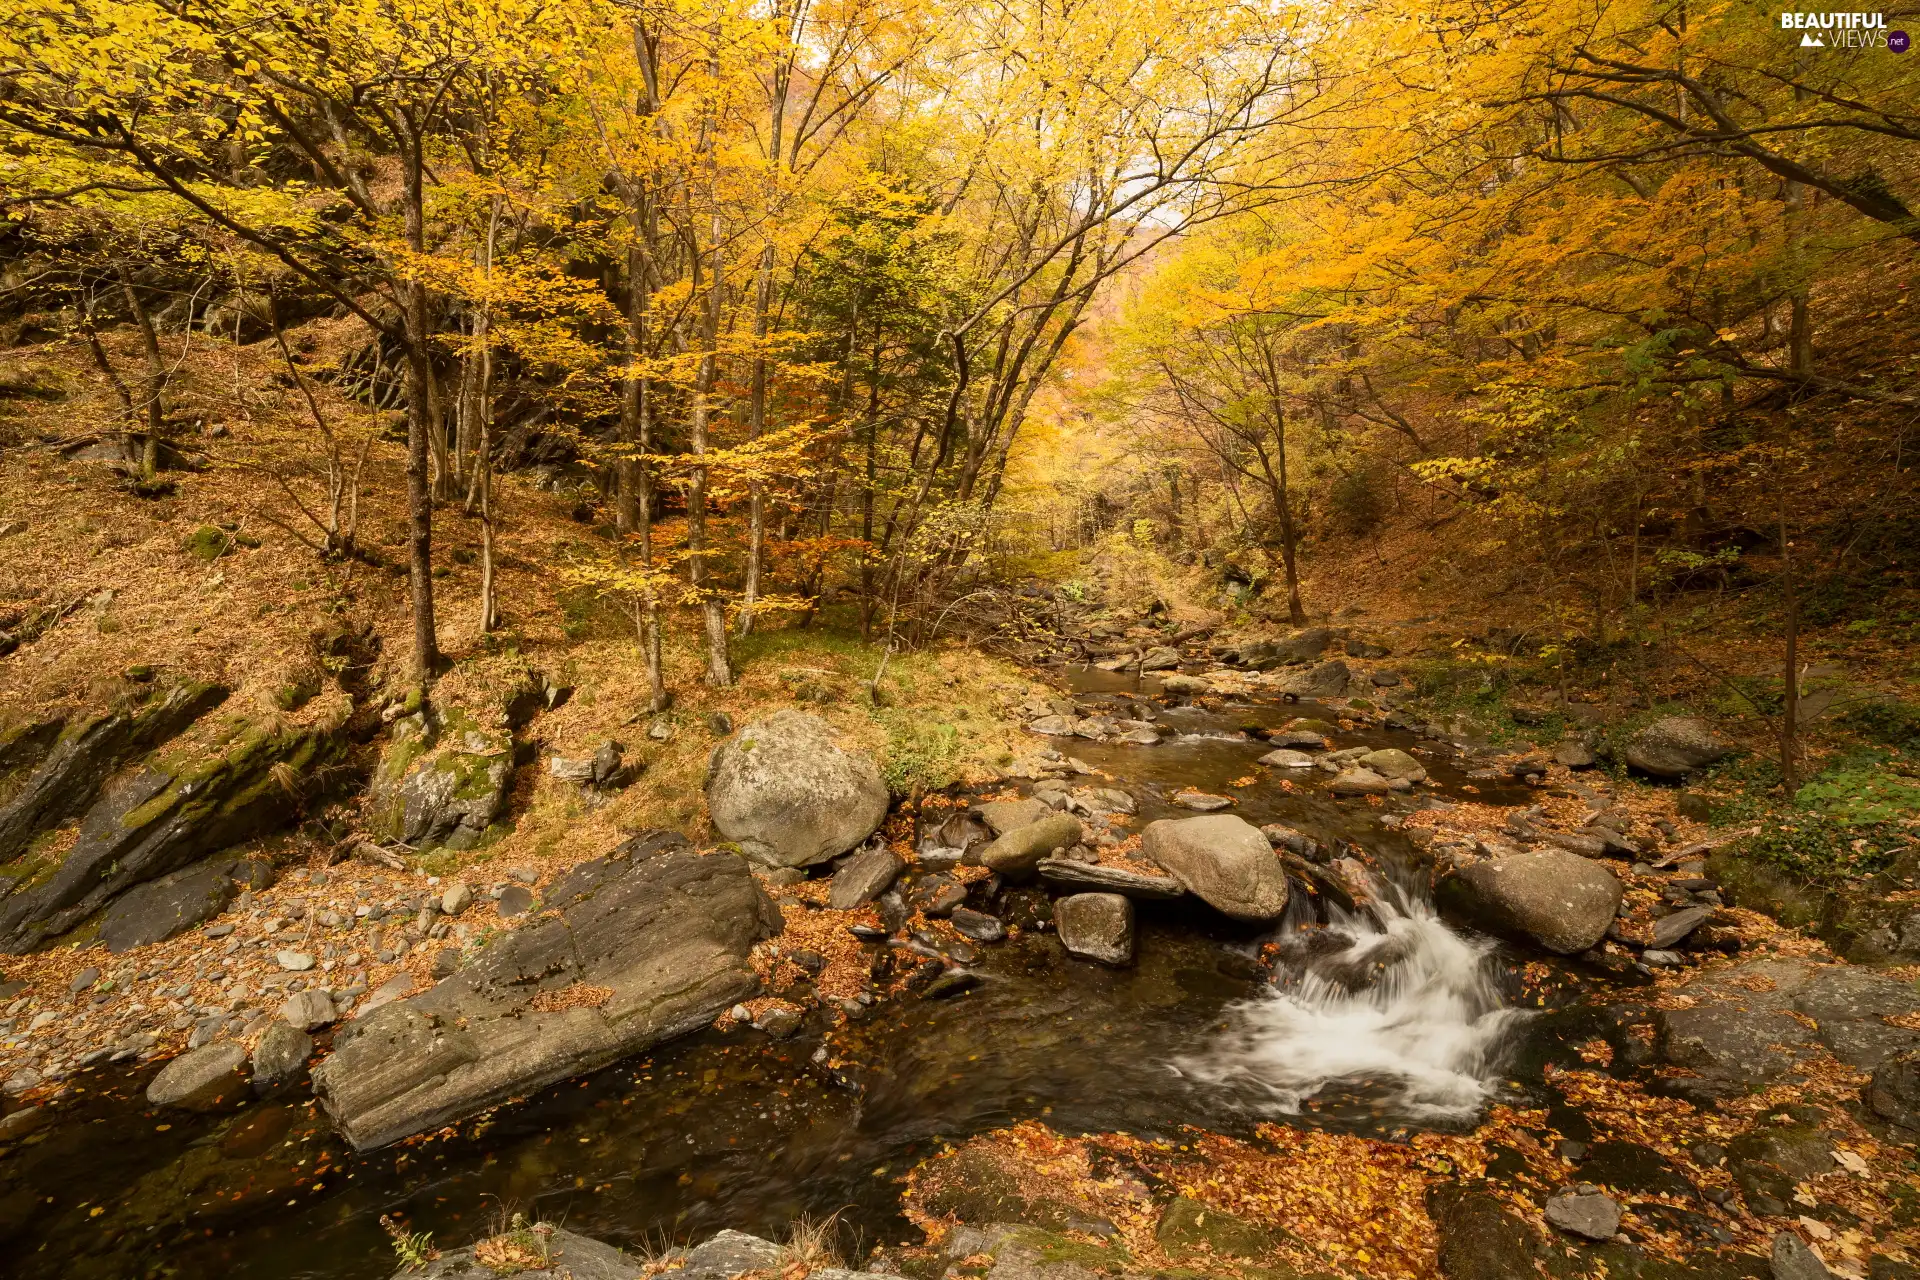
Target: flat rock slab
(573, 1258)
(157, 910)
(866, 875)
(1749, 1023)
(642, 951)
(1093, 877)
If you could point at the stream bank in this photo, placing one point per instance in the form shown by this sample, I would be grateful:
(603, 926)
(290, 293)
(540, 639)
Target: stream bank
(1048, 1091)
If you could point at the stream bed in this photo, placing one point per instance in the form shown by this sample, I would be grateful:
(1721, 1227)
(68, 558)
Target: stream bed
(1389, 1022)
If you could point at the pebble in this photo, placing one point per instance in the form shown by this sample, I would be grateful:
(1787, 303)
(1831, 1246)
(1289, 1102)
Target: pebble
(456, 899)
(219, 930)
(294, 961)
(41, 1019)
(83, 979)
(1662, 959)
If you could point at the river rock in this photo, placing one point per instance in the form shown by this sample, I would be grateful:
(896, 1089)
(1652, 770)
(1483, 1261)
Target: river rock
(1002, 816)
(1479, 1238)
(654, 948)
(1298, 738)
(1584, 1211)
(1670, 931)
(1748, 1025)
(1140, 737)
(280, 1056)
(1189, 1226)
(204, 1079)
(786, 792)
(1555, 899)
(866, 875)
(1224, 860)
(1793, 1260)
(730, 1254)
(1052, 726)
(1359, 782)
(308, 1011)
(977, 925)
(1096, 926)
(1285, 837)
(1393, 763)
(1894, 1091)
(1203, 801)
(1286, 758)
(963, 831)
(1160, 658)
(456, 900)
(1575, 753)
(1020, 850)
(1328, 680)
(1302, 646)
(571, 1257)
(1184, 685)
(1674, 746)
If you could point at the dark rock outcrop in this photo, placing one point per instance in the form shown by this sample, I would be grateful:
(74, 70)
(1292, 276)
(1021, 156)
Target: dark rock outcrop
(158, 909)
(175, 809)
(78, 761)
(643, 951)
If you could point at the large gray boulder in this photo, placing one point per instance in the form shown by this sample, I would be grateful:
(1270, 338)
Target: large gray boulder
(1222, 859)
(280, 1057)
(205, 1079)
(644, 948)
(1674, 747)
(1328, 680)
(784, 790)
(569, 1257)
(1555, 899)
(1019, 851)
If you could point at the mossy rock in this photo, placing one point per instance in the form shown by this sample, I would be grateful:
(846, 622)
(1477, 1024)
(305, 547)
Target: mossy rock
(1189, 1226)
(207, 543)
(1757, 886)
(971, 1185)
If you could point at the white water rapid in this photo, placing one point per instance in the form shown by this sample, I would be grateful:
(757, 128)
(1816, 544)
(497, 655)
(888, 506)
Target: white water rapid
(1389, 1003)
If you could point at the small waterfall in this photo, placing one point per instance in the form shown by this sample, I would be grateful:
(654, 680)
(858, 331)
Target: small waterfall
(1386, 1002)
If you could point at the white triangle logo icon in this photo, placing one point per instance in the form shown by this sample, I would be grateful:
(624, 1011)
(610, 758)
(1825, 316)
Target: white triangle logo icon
(1812, 41)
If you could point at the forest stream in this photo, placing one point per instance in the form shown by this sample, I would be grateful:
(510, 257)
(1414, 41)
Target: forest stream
(1384, 1022)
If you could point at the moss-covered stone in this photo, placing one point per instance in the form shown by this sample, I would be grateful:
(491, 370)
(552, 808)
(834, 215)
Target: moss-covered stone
(973, 1186)
(442, 780)
(1189, 1226)
(207, 543)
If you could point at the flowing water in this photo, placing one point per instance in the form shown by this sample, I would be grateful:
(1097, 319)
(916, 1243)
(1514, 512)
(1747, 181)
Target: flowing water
(1376, 1020)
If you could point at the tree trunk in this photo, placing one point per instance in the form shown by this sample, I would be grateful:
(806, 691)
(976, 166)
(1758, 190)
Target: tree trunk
(426, 648)
(155, 412)
(1790, 710)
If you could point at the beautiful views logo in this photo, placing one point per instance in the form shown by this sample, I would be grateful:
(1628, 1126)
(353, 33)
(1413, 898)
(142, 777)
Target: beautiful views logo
(1844, 31)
